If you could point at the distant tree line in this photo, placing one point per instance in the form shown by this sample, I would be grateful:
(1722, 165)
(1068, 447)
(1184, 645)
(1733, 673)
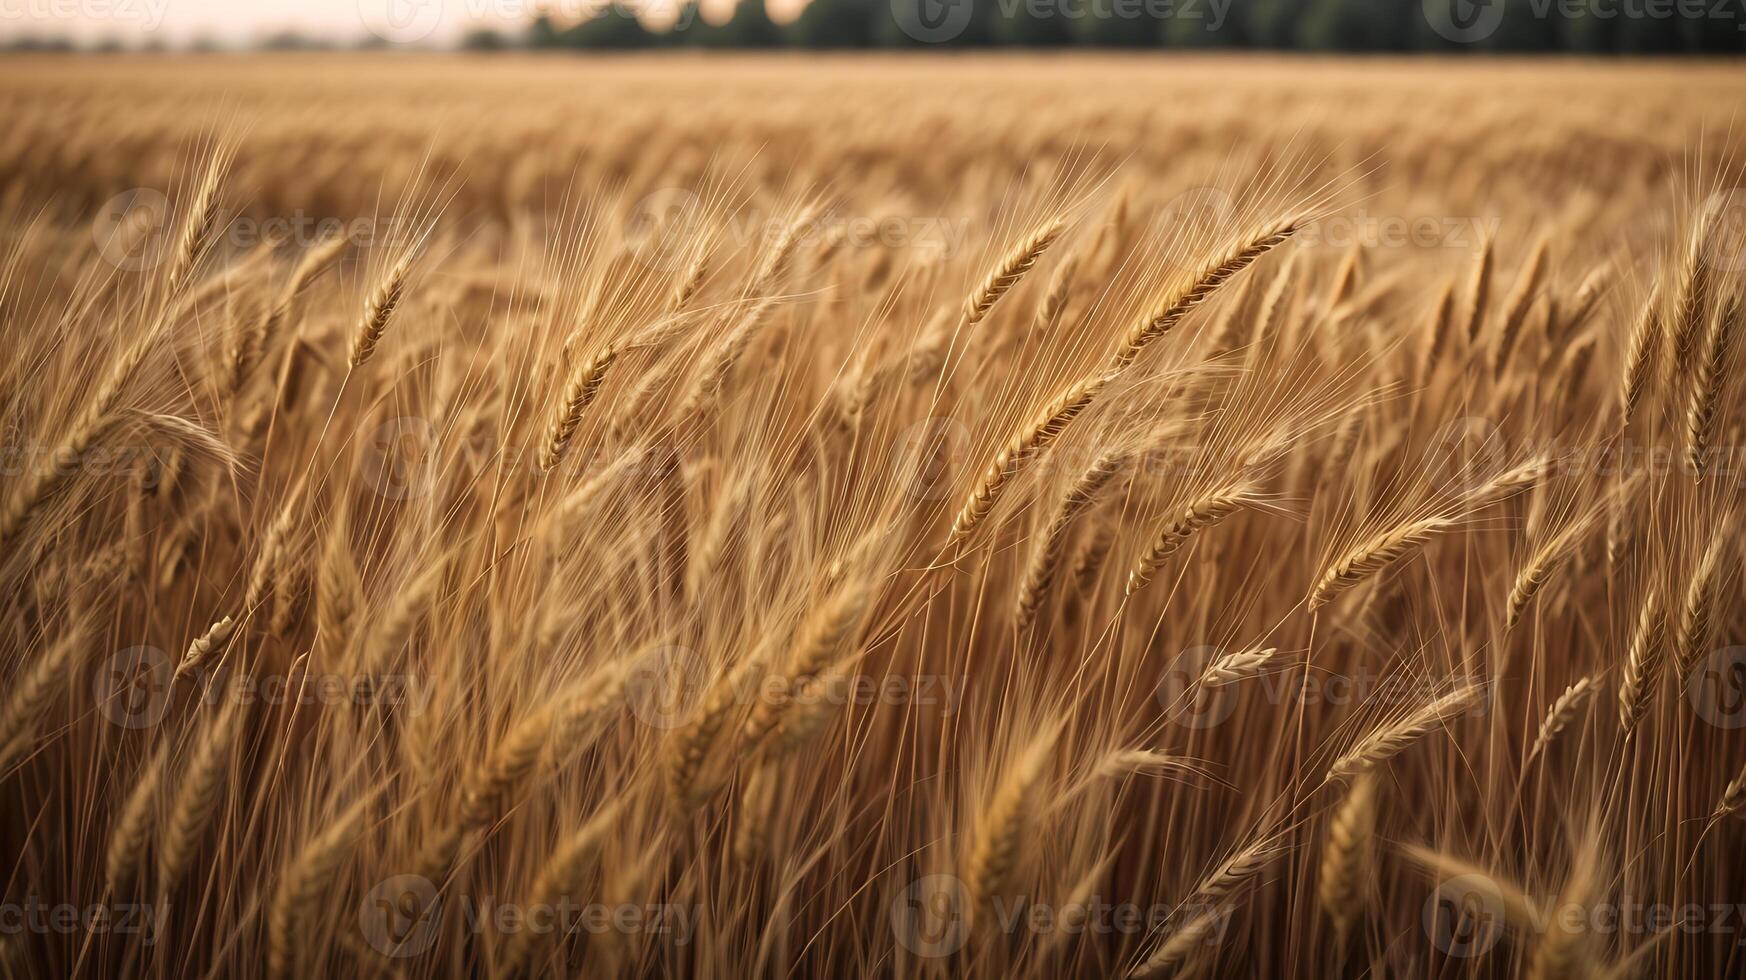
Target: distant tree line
(1580, 26)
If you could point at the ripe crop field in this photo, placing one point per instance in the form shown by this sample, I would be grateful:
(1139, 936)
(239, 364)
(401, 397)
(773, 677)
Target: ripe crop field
(921, 517)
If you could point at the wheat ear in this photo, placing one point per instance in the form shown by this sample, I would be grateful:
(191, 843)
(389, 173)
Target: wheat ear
(1045, 560)
(1698, 611)
(1004, 824)
(1533, 575)
(1011, 269)
(1234, 667)
(31, 694)
(1562, 712)
(1516, 306)
(490, 788)
(1343, 883)
(197, 795)
(828, 630)
(198, 223)
(1710, 374)
(1442, 315)
(564, 875)
(1478, 291)
(1206, 282)
(379, 310)
(1200, 513)
(134, 825)
(1376, 554)
(1643, 659)
(1386, 742)
(579, 393)
(215, 637)
(1691, 293)
(301, 890)
(1026, 445)
(1055, 300)
(1177, 947)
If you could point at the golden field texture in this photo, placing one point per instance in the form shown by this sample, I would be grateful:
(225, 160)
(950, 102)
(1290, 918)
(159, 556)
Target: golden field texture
(989, 517)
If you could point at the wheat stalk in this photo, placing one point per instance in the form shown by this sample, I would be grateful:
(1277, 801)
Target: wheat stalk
(197, 794)
(1003, 824)
(1343, 884)
(1709, 377)
(1643, 659)
(1206, 282)
(1028, 443)
(1388, 741)
(1563, 712)
(379, 309)
(1045, 559)
(1198, 514)
(1011, 269)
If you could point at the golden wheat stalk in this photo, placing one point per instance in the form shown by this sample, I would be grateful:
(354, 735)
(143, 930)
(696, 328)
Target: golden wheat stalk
(1012, 268)
(197, 794)
(1691, 293)
(1532, 576)
(1442, 316)
(1643, 659)
(1516, 306)
(1178, 947)
(579, 392)
(1698, 612)
(564, 876)
(1055, 300)
(1343, 881)
(1045, 559)
(47, 677)
(1198, 514)
(1206, 282)
(134, 823)
(301, 889)
(1562, 712)
(1710, 374)
(1390, 740)
(1027, 444)
(1004, 824)
(490, 787)
(1479, 290)
(379, 309)
(198, 222)
(1234, 667)
(823, 638)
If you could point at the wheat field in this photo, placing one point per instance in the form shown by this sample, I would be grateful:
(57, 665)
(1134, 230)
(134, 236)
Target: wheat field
(808, 517)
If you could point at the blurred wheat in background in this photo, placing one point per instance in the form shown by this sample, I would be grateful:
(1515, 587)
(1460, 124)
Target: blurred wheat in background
(1091, 517)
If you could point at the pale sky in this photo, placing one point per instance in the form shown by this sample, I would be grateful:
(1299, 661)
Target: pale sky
(232, 21)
